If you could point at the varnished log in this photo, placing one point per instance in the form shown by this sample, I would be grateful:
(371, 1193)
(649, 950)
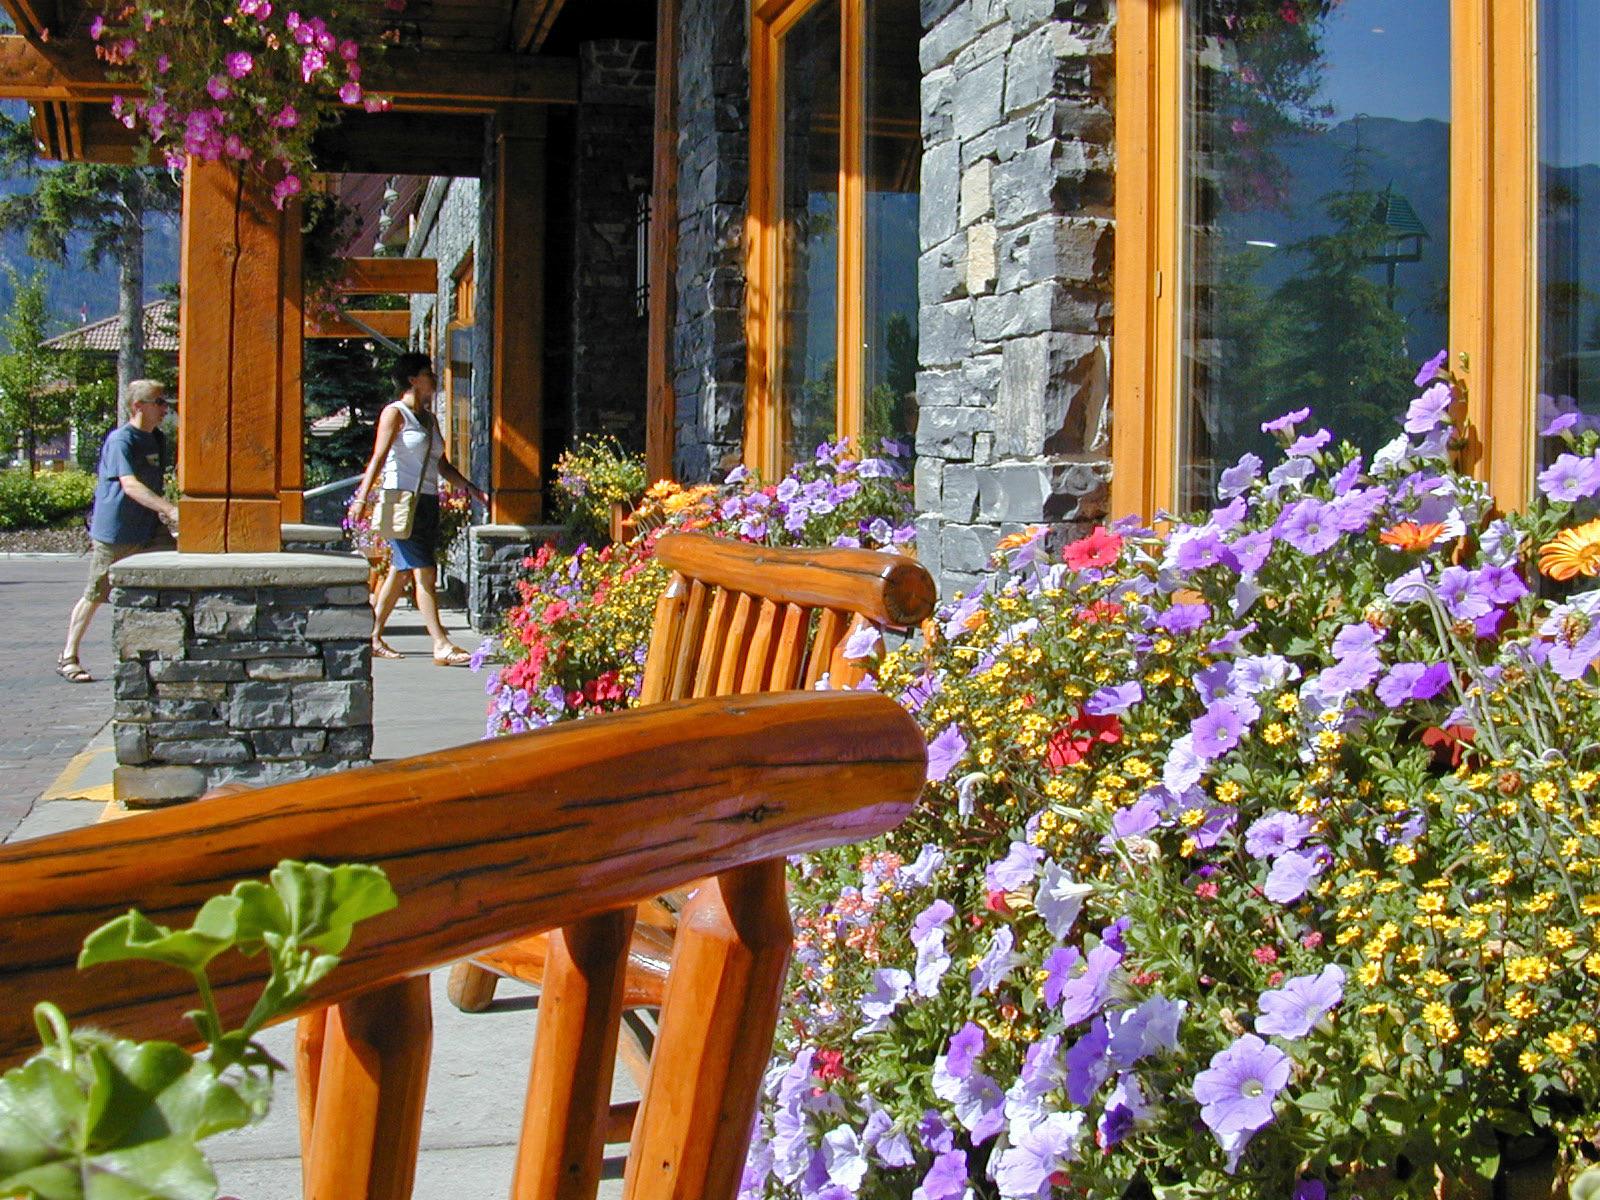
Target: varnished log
(890, 589)
(374, 1076)
(566, 1119)
(482, 843)
(716, 1033)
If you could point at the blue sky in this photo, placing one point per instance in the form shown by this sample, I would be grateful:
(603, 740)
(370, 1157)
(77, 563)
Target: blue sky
(1391, 58)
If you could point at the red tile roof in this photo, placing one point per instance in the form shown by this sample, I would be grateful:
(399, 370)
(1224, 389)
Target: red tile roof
(160, 331)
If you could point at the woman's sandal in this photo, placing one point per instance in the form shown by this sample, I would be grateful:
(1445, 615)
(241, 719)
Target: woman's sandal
(382, 649)
(72, 670)
(454, 657)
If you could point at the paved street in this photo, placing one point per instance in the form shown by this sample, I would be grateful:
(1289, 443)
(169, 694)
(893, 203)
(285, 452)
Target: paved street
(48, 720)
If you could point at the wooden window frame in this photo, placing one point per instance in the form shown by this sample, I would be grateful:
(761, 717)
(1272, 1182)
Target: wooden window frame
(1494, 259)
(463, 315)
(769, 22)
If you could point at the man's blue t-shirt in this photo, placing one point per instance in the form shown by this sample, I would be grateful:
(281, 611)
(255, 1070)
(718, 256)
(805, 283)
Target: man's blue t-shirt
(117, 518)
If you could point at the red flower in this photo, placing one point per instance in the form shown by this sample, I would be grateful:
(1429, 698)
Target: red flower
(995, 902)
(830, 1064)
(1275, 979)
(1100, 610)
(1311, 940)
(1099, 549)
(1073, 741)
(1289, 12)
(1265, 955)
(1206, 891)
(1453, 739)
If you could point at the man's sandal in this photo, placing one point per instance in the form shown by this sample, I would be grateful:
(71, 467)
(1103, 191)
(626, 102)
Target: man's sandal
(72, 670)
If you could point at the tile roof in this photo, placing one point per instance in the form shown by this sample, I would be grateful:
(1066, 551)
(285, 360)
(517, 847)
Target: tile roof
(160, 331)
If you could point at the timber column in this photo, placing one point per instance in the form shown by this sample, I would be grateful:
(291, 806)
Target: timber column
(234, 373)
(518, 366)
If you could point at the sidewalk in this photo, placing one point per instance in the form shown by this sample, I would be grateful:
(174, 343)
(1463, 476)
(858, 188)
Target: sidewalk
(480, 1063)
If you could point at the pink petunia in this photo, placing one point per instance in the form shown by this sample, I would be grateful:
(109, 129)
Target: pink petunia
(350, 93)
(287, 118)
(239, 64)
(217, 88)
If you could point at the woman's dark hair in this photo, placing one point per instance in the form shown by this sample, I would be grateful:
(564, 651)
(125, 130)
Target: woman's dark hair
(407, 367)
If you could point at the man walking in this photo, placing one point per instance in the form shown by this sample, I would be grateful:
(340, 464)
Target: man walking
(129, 510)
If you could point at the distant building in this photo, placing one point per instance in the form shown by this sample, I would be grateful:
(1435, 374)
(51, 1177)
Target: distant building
(101, 337)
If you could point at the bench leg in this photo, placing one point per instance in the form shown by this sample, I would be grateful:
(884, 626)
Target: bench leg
(715, 1038)
(565, 1122)
(309, 1032)
(368, 1118)
(471, 988)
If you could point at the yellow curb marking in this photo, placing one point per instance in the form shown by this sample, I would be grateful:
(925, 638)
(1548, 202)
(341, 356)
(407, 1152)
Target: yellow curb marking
(65, 785)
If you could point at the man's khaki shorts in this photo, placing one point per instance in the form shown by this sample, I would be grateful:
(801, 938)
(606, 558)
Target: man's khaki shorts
(104, 554)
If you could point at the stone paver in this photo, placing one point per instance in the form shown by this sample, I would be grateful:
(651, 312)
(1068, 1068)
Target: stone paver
(48, 720)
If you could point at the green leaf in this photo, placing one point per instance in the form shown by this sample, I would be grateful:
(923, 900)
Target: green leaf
(135, 936)
(121, 1127)
(324, 904)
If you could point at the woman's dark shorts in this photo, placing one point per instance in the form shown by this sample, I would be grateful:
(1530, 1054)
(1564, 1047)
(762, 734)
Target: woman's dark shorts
(419, 549)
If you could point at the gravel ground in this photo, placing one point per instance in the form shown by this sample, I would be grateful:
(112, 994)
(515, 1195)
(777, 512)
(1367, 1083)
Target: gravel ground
(44, 541)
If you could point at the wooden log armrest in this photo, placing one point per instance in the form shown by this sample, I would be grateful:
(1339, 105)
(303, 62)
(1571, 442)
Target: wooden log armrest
(481, 843)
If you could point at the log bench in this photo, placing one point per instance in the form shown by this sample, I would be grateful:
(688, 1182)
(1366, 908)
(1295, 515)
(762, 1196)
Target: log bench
(734, 619)
(567, 828)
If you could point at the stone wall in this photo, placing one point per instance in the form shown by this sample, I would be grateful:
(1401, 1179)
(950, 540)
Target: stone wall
(494, 564)
(238, 669)
(611, 169)
(1015, 275)
(708, 349)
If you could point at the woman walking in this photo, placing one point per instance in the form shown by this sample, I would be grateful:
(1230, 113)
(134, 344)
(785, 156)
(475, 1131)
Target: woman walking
(409, 452)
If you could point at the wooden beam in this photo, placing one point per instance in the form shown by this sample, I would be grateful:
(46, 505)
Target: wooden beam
(67, 69)
(517, 376)
(291, 362)
(231, 363)
(381, 276)
(530, 23)
(394, 323)
(409, 143)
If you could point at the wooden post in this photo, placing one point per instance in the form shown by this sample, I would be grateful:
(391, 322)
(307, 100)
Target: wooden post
(231, 362)
(660, 436)
(291, 410)
(518, 280)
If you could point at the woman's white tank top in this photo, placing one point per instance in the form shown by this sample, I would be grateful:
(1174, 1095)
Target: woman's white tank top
(410, 452)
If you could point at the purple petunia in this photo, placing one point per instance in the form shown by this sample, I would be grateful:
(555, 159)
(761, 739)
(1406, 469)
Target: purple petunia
(1570, 478)
(1307, 525)
(946, 1179)
(1351, 673)
(1429, 409)
(1291, 1011)
(1285, 423)
(1088, 1065)
(1015, 870)
(1292, 875)
(1024, 1169)
(1219, 728)
(1059, 899)
(1308, 444)
(1429, 371)
(889, 988)
(1085, 994)
(1576, 639)
(1114, 699)
(1058, 967)
(944, 752)
(1184, 618)
(997, 962)
(1238, 477)
(1413, 681)
(1237, 1090)
(1151, 1028)
(1276, 833)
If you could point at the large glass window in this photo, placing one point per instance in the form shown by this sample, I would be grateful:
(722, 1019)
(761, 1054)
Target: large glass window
(809, 239)
(1314, 258)
(835, 164)
(1569, 210)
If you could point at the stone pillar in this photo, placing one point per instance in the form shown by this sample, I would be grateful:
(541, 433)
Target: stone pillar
(238, 668)
(1015, 276)
(708, 339)
(494, 564)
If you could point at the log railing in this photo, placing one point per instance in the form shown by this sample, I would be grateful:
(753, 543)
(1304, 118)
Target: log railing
(563, 828)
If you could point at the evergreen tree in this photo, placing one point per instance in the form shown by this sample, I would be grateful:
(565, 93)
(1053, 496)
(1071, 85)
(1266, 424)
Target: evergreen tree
(35, 401)
(343, 373)
(107, 205)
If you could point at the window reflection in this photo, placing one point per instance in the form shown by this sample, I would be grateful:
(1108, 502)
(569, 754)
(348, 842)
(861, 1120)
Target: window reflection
(808, 118)
(1316, 246)
(893, 154)
(1569, 214)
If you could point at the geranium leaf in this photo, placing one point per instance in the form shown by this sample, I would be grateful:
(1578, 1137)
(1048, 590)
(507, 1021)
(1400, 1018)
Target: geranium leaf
(135, 936)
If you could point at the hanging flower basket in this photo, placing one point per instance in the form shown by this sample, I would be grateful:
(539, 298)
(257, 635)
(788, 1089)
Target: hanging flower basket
(241, 81)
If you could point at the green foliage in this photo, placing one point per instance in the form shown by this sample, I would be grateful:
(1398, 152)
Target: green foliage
(590, 478)
(343, 373)
(35, 402)
(29, 501)
(94, 1117)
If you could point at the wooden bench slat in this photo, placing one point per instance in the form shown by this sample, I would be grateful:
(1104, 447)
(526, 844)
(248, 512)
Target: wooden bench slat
(663, 646)
(758, 659)
(690, 634)
(736, 643)
(831, 625)
(713, 642)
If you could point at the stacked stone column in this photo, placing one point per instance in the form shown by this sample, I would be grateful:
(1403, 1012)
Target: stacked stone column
(238, 668)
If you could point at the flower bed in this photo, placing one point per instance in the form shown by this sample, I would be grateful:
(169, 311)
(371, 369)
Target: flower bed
(1259, 858)
(575, 644)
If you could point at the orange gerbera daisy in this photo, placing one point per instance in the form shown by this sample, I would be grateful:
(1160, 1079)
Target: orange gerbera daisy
(1012, 540)
(1572, 552)
(1408, 535)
